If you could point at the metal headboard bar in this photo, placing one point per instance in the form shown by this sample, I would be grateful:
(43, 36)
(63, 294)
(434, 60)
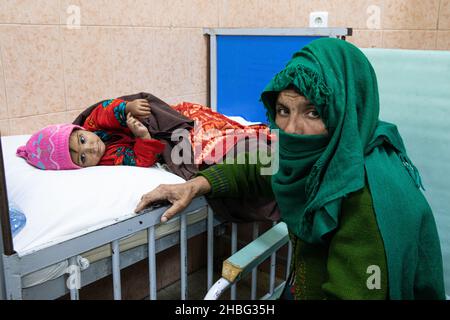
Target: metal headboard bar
(329, 32)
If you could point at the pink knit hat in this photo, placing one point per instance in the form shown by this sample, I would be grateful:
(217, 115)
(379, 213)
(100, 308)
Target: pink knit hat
(48, 149)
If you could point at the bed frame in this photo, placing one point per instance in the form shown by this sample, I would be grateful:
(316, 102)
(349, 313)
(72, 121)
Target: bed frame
(15, 267)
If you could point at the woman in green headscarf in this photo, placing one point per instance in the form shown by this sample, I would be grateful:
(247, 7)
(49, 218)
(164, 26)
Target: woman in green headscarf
(345, 187)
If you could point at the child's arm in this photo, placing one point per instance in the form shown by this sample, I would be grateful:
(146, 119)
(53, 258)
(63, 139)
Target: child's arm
(145, 148)
(108, 115)
(112, 114)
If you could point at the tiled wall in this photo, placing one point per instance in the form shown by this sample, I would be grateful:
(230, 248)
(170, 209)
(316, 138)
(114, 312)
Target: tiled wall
(49, 72)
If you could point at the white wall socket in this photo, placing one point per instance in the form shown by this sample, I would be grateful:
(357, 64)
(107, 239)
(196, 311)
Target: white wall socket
(318, 19)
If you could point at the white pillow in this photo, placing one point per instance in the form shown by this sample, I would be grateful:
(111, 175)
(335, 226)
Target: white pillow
(59, 205)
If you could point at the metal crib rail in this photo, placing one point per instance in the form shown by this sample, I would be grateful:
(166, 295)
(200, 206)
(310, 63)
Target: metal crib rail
(152, 262)
(248, 258)
(16, 266)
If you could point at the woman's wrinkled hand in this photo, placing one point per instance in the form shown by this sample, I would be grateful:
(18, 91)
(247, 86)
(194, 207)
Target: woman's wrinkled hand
(179, 195)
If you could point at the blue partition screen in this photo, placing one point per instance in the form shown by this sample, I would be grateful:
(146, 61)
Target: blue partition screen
(245, 64)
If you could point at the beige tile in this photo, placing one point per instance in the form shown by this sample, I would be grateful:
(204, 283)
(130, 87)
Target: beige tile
(109, 12)
(191, 13)
(29, 125)
(410, 14)
(171, 100)
(32, 65)
(180, 80)
(161, 67)
(443, 40)
(90, 12)
(161, 13)
(134, 63)
(4, 128)
(129, 12)
(197, 62)
(70, 116)
(171, 62)
(303, 8)
(366, 38)
(238, 13)
(29, 11)
(3, 102)
(88, 66)
(278, 14)
(410, 39)
(200, 98)
(444, 15)
(357, 14)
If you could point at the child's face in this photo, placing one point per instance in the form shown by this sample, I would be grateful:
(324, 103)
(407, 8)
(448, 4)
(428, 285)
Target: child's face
(86, 148)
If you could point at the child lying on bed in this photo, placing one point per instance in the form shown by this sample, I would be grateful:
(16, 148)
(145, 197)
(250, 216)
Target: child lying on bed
(111, 135)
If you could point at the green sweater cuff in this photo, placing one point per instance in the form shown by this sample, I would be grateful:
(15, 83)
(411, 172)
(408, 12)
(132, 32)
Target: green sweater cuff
(216, 178)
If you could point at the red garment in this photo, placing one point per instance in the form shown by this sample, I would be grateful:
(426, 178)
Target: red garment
(214, 134)
(108, 121)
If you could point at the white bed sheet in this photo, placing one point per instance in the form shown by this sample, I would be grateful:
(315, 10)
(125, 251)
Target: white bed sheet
(60, 205)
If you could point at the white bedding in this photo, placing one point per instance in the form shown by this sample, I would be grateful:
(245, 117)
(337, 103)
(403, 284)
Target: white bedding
(60, 205)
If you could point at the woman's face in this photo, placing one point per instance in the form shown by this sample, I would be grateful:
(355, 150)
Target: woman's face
(296, 115)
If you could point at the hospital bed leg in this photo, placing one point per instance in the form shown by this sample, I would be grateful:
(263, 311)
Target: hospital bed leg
(210, 245)
(2, 274)
(74, 279)
(116, 270)
(183, 256)
(255, 269)
(2, 283)
(13, 285)
(233, 251)
(152, 262)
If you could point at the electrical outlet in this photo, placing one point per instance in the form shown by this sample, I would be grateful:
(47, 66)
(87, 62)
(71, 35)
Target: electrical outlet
(318, 19)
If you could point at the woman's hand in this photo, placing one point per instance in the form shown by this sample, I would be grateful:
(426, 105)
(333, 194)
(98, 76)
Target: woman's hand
(138, 108)
(137, 128)
(179, 195)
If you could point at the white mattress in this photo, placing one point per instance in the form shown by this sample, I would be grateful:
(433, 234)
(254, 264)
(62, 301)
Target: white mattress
(60, 205)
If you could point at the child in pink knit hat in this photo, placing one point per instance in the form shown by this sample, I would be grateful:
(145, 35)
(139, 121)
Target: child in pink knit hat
(111, 135)
(48, 149)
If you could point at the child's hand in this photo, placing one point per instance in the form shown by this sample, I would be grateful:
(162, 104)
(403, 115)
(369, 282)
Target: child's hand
(138, 108)
(137, 128)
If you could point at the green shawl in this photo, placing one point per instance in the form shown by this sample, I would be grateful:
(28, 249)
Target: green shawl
(317, 172)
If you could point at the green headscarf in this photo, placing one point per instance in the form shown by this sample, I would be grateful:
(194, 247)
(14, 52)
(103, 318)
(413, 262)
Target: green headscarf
(316, 171)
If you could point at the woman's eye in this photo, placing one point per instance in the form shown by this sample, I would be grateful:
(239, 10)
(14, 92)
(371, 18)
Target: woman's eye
(83, 158)
(313, 114)
(82, 139)
(282, 111)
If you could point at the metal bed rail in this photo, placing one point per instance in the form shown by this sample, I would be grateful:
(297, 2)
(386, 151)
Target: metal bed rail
(247, 259)
(15, 267)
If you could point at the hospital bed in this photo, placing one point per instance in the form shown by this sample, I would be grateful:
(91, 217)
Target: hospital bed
(414, 89)
(65, 233)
